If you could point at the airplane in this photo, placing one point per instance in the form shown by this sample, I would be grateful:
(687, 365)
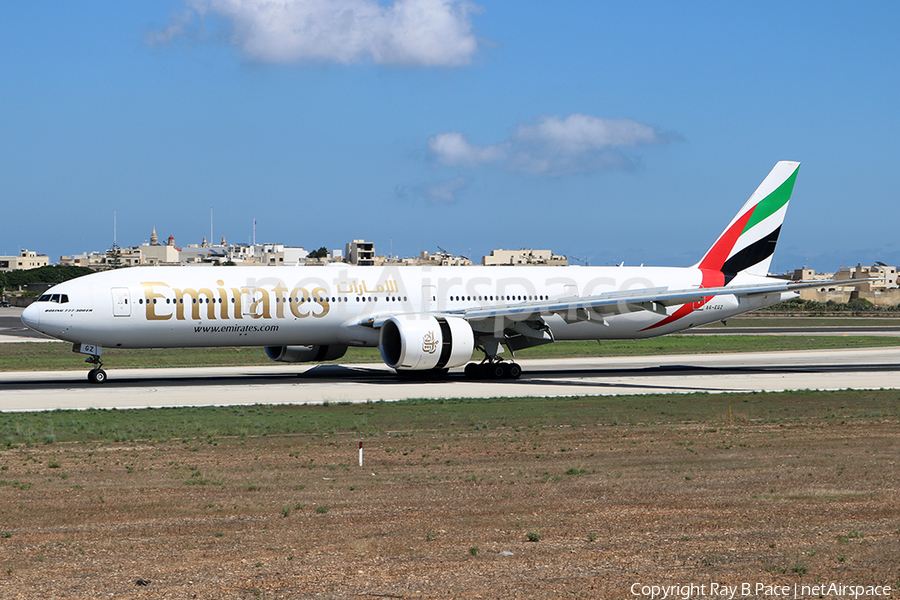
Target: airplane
(422, 319)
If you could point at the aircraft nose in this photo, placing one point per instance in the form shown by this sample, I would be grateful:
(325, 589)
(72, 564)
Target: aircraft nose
(31, 316)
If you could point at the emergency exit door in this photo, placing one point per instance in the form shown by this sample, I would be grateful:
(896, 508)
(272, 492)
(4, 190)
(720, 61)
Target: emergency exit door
(121, 302)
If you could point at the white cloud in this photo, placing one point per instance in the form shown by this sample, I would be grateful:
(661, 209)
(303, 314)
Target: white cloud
(407, 32)
(581, 133)
(552, 146)
(176, 28)
(440, 192)
(445, 192)
(453, 149)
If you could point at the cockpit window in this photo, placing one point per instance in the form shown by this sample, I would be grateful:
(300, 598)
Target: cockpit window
(58, 298)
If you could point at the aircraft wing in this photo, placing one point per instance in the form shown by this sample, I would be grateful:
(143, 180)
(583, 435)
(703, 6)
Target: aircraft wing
(579, 308)
(595, 308)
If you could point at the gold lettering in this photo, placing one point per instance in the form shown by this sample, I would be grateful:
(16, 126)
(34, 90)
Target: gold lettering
(279, 300)
(210, 300)
(302, 303)
(195, 302)
(296, 305)
(323, 301)
(149, 297)
(264, 300)
(238, 311)
(223, 300)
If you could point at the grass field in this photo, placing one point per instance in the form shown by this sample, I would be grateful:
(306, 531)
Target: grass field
(375, 419)
(534, 498)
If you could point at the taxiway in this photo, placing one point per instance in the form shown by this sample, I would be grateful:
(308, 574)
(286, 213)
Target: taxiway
(867, 368)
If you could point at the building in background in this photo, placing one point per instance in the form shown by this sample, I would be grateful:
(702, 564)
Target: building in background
(425, 259)
(360, 252)
(525, 256)
(25, 260)
(883, 290)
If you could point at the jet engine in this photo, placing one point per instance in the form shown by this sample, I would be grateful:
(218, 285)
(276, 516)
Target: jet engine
(305, 353)
(419, 342)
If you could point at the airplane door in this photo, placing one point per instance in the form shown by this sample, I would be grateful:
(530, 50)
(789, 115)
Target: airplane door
(121, 298)
(248, 299)
(429, 298)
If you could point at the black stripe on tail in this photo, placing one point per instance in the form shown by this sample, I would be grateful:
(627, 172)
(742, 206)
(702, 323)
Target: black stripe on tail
(755, 253)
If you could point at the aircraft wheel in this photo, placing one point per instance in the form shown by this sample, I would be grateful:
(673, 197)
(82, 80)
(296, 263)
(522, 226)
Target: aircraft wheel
(97, 376)
(498, 371)
(514, 370)
(472, 371)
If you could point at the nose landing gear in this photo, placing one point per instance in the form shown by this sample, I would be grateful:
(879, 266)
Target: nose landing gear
(97, 374)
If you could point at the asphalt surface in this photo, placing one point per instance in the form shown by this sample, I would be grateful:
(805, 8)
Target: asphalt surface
(12, 328)
(868, 368)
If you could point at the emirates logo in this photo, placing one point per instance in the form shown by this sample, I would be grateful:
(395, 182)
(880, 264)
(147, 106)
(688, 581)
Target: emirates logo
(429, 343)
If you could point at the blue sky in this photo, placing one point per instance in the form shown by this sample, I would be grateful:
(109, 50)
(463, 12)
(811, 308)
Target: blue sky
(607, 131)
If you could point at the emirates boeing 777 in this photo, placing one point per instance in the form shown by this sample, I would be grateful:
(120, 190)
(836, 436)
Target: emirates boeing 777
(421, 318)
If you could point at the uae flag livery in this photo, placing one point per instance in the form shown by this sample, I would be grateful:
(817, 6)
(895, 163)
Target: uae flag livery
(747, 244)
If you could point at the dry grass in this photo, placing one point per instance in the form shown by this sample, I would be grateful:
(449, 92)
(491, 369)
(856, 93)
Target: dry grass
(293, 516)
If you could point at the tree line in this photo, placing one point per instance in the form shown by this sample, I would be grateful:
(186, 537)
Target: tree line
(11, 280)
(857, 305)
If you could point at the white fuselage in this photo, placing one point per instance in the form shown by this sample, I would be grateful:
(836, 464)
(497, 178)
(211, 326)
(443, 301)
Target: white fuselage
(157, 307)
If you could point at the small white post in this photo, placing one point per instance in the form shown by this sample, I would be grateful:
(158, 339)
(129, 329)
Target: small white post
(360, 454)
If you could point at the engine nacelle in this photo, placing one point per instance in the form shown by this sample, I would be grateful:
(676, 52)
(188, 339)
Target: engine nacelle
(305, 353)
(419, 342)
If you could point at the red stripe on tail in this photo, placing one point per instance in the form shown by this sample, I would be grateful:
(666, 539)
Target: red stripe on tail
(718, 254)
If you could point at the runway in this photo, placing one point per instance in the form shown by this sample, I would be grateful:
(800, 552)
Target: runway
(852, 330)
(868, 368)
(13, 330)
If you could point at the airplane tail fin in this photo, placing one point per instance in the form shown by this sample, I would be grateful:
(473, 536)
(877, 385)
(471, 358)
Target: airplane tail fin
(748, 243)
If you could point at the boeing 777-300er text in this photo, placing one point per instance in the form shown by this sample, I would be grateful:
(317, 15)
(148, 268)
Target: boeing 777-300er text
(421, 318)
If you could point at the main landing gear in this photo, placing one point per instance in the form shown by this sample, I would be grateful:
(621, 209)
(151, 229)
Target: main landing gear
(493, 369)
(97, 374)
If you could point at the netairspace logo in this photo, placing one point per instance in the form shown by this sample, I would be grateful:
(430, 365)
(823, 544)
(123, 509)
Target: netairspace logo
(722, 591)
